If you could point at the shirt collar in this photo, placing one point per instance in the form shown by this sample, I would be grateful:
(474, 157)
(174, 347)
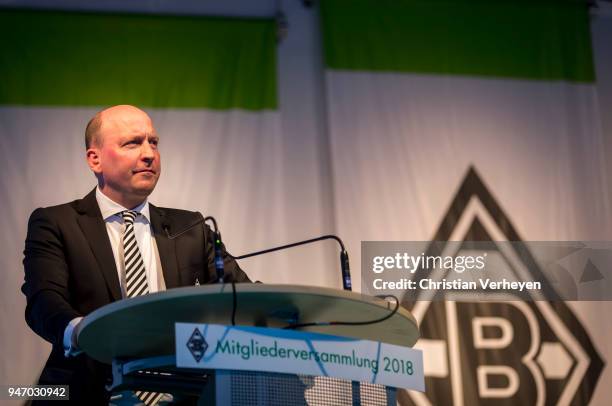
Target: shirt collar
(109, 208)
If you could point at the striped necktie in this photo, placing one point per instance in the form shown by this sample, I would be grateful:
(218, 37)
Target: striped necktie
(135, 272)
(135, 281)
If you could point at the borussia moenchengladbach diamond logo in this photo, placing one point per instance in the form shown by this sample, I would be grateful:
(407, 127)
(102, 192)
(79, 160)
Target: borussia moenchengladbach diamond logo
(197, 344)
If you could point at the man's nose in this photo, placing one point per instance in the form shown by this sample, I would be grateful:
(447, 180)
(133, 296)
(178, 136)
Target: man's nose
(147, 152)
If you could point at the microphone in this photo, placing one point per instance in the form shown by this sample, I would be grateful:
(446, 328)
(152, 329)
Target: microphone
(344, 259)
(166, 227)
(219, 266)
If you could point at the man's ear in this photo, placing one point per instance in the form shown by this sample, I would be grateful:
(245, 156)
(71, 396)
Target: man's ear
(93, 160)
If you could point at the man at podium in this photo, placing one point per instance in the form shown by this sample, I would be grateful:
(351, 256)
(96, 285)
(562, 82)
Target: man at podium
(111, 245)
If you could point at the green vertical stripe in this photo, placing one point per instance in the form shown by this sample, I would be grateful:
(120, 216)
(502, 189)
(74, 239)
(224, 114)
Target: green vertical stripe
(79, 59)
(535, 39)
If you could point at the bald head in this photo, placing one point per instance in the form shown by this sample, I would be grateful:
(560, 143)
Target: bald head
(93, 131)
(122, 152)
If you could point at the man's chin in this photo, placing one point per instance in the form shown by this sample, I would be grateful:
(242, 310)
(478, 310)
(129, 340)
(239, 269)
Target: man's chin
(144, 189)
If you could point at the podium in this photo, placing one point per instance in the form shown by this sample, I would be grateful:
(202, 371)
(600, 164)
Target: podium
(137, 336)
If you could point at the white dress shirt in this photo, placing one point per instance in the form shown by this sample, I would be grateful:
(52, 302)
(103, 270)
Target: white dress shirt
(111, 213)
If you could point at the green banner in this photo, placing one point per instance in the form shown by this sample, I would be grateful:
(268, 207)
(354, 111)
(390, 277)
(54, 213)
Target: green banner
(537, 39)
(82, 59)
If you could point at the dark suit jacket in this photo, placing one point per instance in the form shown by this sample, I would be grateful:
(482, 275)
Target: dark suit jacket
(70, 271)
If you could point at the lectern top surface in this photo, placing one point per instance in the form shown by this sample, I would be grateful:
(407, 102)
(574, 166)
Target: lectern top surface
(144, 326)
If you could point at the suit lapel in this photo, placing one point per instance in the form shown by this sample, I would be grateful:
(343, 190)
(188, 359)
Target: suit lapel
(92, 225)
(165, 246)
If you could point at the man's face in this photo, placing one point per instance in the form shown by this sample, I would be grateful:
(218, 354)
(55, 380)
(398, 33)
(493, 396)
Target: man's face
(129, 162)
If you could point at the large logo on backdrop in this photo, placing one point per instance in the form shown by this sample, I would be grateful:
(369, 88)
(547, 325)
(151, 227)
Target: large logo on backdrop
(499, 353)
